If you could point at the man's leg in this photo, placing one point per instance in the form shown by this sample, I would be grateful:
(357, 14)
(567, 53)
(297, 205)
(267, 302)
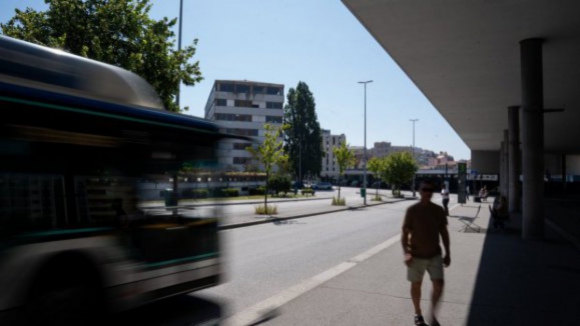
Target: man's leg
(436, 295)
(416, 297)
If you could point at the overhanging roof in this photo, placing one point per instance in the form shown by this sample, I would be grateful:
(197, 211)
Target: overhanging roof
(465, 57)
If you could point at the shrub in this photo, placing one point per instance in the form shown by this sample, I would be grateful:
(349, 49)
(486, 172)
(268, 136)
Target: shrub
(197, 193)
(261, 210)
(338, 201)
(377, 198)
(308, 191)
(257, 191)
(230, 192)
(280, 183)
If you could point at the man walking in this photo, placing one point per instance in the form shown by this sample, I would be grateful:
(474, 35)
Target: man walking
(424, 223)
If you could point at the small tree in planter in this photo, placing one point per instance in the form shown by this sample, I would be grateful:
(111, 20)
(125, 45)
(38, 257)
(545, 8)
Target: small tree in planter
(269, 153)
(399, 169)
(344, 158)
(376, 165)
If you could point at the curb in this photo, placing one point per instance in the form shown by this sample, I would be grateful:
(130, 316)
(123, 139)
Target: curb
(279, 219)
(245, 203)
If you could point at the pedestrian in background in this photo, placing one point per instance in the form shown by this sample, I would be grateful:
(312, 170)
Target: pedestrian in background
(445, 196)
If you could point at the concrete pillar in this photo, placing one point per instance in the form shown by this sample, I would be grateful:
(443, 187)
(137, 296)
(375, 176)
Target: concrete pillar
(514, 192)
(502, 169)
(564, 172)
(533, 138)
(505, 164)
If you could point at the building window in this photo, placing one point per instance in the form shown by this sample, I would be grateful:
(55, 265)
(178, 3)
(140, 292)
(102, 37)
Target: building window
(243, 104)
(243, 132)
(274, 91)
(273, 105)
(221, 102)
(227, 88)
(233, 117)
(242, 160)
(241, 88)
(258, 89)
(273, 119)
(242, 146)
(333, 141)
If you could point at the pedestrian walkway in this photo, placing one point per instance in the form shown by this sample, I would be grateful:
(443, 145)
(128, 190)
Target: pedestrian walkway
(495, 278)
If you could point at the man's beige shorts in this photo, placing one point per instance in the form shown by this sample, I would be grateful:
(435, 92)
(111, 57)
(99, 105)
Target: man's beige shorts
(433, 266)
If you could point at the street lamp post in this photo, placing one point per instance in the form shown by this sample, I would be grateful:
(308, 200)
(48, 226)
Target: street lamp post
(179, 47)
(365, 145)
(414, 175)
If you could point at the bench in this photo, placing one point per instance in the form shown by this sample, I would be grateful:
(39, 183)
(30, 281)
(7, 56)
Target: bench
(469, 222)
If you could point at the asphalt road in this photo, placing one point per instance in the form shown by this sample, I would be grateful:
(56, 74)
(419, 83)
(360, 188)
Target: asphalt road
(267, 259)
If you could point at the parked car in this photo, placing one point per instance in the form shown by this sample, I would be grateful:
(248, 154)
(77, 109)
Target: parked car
(323, 186)
(297, 185)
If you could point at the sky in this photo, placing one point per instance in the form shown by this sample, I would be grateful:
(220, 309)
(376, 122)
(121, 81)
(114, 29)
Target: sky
(318, 42)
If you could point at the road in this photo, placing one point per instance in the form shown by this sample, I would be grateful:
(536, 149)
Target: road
(267, 259)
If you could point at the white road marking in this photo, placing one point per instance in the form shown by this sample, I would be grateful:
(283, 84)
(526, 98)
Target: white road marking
(254, 313)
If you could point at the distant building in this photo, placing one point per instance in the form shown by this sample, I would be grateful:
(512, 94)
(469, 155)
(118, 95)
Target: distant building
(242, 108)
(329, 143)
(359, 156)
(380, 149)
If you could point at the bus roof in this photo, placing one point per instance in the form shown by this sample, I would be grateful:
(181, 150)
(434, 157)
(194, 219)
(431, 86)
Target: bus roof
(55, 70)
(34, 74)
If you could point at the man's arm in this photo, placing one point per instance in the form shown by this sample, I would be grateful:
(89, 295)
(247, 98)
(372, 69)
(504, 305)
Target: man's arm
(445, 237)
(405, 240)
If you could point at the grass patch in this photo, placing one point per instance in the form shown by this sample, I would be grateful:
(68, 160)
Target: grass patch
(270, 210)
(377, 198)
(338, 201)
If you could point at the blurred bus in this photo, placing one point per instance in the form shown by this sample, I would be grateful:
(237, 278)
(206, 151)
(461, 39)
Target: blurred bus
(84, 229)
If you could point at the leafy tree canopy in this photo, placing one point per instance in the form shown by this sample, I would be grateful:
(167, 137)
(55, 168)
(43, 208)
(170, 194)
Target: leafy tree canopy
(118, 32)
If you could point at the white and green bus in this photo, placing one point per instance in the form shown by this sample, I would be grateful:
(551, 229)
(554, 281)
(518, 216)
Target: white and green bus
(84, 147)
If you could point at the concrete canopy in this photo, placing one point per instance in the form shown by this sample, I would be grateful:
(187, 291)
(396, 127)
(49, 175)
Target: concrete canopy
(465, 58)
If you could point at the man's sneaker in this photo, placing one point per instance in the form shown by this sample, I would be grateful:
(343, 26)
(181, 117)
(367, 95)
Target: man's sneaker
(419, 321)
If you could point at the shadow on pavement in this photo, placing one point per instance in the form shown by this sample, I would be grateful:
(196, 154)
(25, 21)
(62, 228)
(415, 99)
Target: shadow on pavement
(178, 311)
(526, 282)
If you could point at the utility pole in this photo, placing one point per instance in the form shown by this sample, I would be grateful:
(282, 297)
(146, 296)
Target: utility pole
(414, 175)
(365, 148)
(179, 48)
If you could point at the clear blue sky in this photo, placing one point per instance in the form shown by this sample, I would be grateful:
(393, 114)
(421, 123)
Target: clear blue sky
(319, 42)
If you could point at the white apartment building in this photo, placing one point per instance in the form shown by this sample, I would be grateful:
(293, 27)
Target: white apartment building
(329, 142)
(242, 108)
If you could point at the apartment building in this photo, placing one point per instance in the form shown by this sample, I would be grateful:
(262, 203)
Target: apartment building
(243, 108)
(329, 143)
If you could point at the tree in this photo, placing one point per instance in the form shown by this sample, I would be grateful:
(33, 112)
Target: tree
(118, 32)
(376, 165)
(344, 158)
(399, 169)
(269, 153)
(303, 139)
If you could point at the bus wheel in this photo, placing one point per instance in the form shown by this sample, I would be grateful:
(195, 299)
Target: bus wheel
(68, 302)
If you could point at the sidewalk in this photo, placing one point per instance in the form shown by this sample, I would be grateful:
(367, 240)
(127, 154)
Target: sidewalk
(244, 215)
(495, 278)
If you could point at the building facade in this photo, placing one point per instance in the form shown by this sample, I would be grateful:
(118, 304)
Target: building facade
(243, 108)
(329, 143)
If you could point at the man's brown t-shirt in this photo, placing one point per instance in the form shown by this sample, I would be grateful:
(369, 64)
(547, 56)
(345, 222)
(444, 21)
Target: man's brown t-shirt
(425, 221)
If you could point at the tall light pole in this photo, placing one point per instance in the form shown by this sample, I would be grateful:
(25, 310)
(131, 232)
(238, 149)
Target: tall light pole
(365, 148)
(179, 47)
(413, 121)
